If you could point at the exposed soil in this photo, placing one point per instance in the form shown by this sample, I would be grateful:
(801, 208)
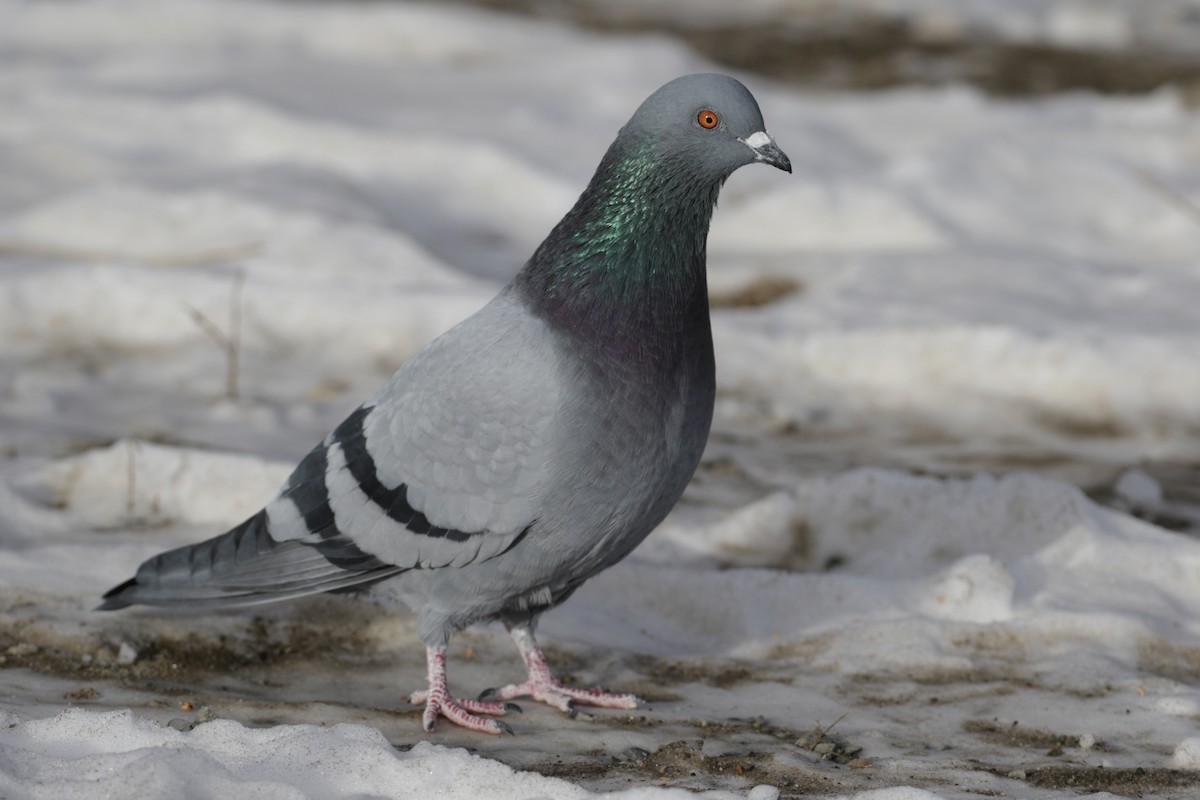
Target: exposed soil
(178, 654)
(262, 671)
(835, 48)
(762, 291)
(1130, 782)
(1013, 735)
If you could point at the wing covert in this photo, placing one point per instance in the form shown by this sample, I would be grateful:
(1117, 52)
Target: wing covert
(446, 465)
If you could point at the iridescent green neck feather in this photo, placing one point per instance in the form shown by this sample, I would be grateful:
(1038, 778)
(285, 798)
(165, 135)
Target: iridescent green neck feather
(629, 258)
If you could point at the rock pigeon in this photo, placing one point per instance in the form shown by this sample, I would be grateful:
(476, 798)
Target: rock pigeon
(533, 445)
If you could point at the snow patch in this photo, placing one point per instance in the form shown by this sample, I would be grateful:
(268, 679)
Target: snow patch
(1187, 754)
(977, 589)
(131, 482)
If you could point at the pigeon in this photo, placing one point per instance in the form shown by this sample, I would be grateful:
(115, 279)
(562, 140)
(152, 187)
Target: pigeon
(533, 445)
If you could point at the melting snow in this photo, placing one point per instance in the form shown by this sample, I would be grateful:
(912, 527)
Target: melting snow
(944, 533)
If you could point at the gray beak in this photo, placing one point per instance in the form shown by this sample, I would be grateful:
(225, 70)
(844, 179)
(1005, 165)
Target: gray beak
(766, 151)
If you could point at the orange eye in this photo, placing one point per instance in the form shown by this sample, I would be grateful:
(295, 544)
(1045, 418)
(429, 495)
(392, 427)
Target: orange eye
(708, 119)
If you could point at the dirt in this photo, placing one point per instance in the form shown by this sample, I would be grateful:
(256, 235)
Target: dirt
(156, 652)
(1129, 782)
(711, 722)
(1014, 735)
(1178, 662)
(260, 671)
(682, 763)
(762, 291)
(720, 673)
(829, 47)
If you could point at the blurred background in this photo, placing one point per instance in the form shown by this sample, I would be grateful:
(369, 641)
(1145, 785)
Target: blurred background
(1016, 49)
(223, 223)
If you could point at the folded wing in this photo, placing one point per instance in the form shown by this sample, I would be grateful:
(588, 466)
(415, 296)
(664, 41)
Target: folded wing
(444, 467)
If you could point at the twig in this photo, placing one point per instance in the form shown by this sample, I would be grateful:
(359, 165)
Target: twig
(230, 342)
(1173, 196)
(130, 476)
(821, 732)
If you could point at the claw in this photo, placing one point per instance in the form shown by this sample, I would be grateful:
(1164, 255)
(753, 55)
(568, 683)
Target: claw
(542, 686)
(474, 715)
(514, 708)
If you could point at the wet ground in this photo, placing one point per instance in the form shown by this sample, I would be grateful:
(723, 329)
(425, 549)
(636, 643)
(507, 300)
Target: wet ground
(786, 719)
(709, 721)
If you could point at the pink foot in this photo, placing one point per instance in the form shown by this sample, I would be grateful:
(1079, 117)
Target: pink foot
(462, 712)
(564, 698)
(545, 688)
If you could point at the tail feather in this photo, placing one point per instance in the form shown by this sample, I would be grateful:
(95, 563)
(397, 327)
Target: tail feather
(247, 566)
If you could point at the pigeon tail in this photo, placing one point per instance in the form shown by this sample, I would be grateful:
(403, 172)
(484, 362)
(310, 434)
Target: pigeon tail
(246, 566)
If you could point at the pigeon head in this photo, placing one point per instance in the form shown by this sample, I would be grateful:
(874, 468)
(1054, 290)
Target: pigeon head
(629, 258)
(709, 121)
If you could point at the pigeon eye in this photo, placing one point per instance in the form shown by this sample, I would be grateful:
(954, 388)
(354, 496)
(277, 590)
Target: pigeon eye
(708, 119)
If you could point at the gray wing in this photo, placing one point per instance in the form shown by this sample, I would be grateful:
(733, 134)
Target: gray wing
(445, 466)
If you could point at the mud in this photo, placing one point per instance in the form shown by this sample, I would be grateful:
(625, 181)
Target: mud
(828, 47)
(335, 663)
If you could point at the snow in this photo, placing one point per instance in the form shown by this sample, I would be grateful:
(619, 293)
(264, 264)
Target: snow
(131, 757)
(943, 543)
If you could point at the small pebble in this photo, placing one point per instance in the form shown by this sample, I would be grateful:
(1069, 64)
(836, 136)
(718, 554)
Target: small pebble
(1139, 490)
(631, 754)
(824, 748)
(1017, 774)
(22, 649)
(180, 724)
(1087, 741)
(763, 792)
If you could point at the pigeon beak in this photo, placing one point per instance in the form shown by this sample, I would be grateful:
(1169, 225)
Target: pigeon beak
(766, 151)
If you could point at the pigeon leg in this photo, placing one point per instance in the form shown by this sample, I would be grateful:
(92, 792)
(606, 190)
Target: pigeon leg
(460, 711)
(545, 688)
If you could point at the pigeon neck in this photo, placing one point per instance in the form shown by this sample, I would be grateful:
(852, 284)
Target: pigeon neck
(629, 258)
